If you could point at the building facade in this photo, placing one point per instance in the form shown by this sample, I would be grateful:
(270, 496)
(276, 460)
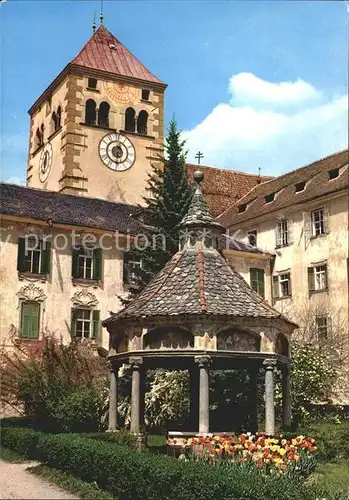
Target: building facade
(301, 220)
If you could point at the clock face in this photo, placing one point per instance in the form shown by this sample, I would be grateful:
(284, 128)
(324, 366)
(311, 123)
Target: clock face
(45, 162)
(120, 92)
(117, 152)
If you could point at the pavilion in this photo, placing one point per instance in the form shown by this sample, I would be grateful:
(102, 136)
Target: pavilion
(198, 314)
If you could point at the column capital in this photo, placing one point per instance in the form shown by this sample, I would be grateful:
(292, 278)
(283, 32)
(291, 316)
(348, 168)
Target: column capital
(135, 362)
(202, 361)
(270, 363)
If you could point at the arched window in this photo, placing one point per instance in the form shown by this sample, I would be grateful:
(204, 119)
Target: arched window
(130, 121)
(103, 114)
(142, 123)
(90, 112)
(59, 116)
(54, 121)
(38, 138)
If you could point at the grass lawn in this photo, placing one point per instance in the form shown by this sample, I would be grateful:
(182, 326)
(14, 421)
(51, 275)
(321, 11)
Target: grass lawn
(333, 477)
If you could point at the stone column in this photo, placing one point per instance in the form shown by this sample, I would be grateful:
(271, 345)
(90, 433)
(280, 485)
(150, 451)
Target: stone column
(269, 396)
(113, 399)
(286, 397)
(135, 362)
(203, 362)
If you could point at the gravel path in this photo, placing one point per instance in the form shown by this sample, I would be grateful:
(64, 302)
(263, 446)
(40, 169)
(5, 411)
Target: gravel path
(17, 483)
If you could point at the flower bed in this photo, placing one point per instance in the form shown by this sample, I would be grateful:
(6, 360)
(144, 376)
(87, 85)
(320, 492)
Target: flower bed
(269, 454)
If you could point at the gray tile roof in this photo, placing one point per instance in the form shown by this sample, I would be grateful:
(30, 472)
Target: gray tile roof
(196, 283)
(61, 208)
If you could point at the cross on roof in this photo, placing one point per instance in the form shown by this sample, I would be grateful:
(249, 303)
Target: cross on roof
(198, 156)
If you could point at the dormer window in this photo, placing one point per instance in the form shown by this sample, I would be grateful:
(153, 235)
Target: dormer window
(269, 198)
(242, 208)
(92, 83)
(333, 174)
(145, 94)
(300, 186)
(252, 237)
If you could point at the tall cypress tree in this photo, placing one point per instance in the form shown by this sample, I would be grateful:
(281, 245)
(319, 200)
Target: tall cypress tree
(165, 206)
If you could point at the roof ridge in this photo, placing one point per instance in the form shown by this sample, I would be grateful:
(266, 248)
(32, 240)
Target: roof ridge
(200, 261)
(239, 172)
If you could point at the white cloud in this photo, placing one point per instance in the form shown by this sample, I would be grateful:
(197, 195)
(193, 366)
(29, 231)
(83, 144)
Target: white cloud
(283, 126)
(247, 88)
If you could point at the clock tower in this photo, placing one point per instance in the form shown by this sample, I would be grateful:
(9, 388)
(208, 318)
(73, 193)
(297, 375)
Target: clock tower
(98, 128)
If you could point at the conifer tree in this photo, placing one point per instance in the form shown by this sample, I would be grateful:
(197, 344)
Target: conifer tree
(165, 206)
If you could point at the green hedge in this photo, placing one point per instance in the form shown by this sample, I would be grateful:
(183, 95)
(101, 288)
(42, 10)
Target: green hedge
(134, 476)
(131, 475)
(23, 440)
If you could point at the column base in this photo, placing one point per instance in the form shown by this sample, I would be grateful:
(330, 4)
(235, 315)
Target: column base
(141, 441)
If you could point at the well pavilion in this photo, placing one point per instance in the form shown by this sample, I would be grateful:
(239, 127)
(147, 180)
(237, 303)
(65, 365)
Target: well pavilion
(198, 314)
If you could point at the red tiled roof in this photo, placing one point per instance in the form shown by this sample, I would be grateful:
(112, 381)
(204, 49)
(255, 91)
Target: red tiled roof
(222, 188)
(104, 52)
(317, 184)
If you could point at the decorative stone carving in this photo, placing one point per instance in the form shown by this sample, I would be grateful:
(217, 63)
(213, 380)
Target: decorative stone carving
(231, 340)
(269, 363)
(84, 299)
(169, 338)
(136, 362)
(202, 361)
(32, 293)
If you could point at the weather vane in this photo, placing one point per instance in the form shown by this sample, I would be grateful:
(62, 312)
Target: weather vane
(101, 17)
(94, 23)
(198, 156)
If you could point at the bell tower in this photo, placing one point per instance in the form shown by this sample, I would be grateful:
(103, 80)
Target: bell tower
(98, 128)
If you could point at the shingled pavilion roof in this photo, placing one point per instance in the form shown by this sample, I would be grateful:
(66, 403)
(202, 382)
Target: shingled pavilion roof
(197, 281)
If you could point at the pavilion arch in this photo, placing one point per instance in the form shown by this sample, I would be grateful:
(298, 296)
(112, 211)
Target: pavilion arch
(130, 120)
(237, 339)
(282, 345)
(168, 338)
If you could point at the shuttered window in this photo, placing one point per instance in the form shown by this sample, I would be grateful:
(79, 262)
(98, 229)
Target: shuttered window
(87, 263)
(85, 323)
(317, 277)
(257, 280)
(282, 286)
(30, 320)
(34, 256)
(132, 267)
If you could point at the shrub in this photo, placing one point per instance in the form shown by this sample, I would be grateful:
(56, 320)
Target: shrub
(134, 476)
(122, 437)
(332, 439)
(22, 440)
(58, 385)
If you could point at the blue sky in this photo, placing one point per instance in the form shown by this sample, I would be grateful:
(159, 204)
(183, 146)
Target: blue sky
(251, 83)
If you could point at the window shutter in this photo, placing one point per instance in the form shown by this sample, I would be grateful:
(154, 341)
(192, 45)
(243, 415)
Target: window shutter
(329, 326)
(74, 314)
(21, 255)
(289, 284)
(97, 264)
(277, 240)
(261, 282)
(30, 320)
(35, 318)
(75, 263)
(327, 219)
(275, 287)
(326, 276)
(290, 231)
(96, 324)
(308, 227)
(311, 280)
(46, 258)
